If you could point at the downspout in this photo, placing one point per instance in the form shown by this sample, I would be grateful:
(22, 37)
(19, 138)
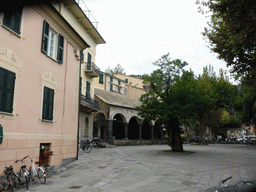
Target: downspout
(79, 97)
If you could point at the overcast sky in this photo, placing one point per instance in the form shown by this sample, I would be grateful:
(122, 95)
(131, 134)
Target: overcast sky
(139, 32)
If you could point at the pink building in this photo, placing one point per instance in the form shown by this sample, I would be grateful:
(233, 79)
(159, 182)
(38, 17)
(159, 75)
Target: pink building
(39, 85)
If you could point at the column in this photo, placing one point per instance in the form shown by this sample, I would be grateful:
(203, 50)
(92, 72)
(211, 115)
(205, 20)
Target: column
(125, 130)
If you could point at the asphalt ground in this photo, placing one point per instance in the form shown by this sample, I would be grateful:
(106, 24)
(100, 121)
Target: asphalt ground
(152, 168)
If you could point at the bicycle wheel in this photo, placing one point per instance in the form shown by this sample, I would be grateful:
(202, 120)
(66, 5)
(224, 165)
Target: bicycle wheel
(32, 174)
(27, 180)
(87, 149)
(41, 175)
(15, 180)
(11, 185)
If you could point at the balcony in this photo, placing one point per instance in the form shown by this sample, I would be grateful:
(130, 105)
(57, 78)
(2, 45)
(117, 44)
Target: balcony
(92, 70)
(89, 105)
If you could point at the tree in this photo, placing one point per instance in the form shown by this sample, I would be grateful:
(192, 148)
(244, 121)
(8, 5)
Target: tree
(117, 70)
(171, 98)
(232, 32)
(222, 95)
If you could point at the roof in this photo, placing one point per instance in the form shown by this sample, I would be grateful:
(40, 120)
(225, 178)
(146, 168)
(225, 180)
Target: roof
(117, 99)
(82, 18)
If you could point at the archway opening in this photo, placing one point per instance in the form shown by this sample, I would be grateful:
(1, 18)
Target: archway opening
(133, 129)
(118, 127)
(158, 130)
(146, 130)
(99, 126)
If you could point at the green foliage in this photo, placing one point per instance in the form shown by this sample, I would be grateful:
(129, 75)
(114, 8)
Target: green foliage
(184, 138)
(117, 70)
(232, 32)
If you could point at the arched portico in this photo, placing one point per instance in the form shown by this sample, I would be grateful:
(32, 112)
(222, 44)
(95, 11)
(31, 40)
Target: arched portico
(158, 130)
(146, 132)
(99, 127)
(119, 126)
(133, 128)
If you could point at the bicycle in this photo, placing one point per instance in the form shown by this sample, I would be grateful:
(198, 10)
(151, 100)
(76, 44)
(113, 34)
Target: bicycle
(12, 178)
(245, 186)
(24, 174)
(85, 146)
(38, 172)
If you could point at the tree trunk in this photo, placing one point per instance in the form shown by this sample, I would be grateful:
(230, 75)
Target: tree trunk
(174, 140)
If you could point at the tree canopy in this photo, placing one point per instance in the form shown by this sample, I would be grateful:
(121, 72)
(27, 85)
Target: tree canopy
(117, 70)
(232, 33)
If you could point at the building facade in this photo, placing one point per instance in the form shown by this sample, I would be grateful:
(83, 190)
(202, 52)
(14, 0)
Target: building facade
(39, 84)
(89, 70)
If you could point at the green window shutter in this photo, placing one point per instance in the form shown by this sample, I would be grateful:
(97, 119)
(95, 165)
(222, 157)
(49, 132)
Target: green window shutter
(111, 79)
(2, 88)
(45, 37)
(48, 102)
(89, 62)
(88, 87)
(12, 19)
(60, 48)
(111, 87)
(101, 79)
(119, 82)
(126, 80)
(7, 82)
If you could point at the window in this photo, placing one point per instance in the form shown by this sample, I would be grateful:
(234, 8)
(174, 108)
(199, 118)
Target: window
(111, 85)
(12, 19)
(101, 79)
(89, 62)
(126, 80)
(49, 40)
(7, 82)
(88, 87)
(119, 90)
(48, 104)
(119, 82)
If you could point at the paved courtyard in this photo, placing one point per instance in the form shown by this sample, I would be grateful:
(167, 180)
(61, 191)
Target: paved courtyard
(152, 168)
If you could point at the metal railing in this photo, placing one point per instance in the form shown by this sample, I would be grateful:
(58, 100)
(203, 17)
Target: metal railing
(87, 12)
(86, 101)
(92, 67)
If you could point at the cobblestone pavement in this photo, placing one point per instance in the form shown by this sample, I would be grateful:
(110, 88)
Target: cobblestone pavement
(152, 168)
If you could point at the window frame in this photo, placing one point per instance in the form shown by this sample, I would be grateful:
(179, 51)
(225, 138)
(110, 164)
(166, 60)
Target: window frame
(7, 90)
(88, 89)
(9, 19)
(48, 104)
(58, 43)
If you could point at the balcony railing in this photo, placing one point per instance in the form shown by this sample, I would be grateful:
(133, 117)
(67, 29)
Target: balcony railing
(89, 104)
(87, 12)
(92, 70)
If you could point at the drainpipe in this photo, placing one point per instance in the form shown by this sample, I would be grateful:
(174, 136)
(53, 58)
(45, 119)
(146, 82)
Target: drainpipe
(79, 97)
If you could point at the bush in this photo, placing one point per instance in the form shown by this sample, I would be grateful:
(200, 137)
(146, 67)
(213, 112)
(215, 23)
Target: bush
(184, 138)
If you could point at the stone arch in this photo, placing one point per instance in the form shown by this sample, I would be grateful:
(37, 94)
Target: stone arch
(99, 126)
(133, 128)
(119, 122)
(158, 130)
(146, 130)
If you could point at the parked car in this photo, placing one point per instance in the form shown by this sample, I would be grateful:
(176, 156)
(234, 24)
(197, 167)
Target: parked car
(251, 140)
(239, 140)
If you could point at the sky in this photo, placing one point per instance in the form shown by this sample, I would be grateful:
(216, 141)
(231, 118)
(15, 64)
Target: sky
(139, 32)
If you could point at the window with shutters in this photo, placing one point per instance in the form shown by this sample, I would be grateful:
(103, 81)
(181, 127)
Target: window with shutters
(101, 79)
(12, 18)
(7, 82)
(51, 45)
(89, 62)
(48, 101)
(88, 88)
